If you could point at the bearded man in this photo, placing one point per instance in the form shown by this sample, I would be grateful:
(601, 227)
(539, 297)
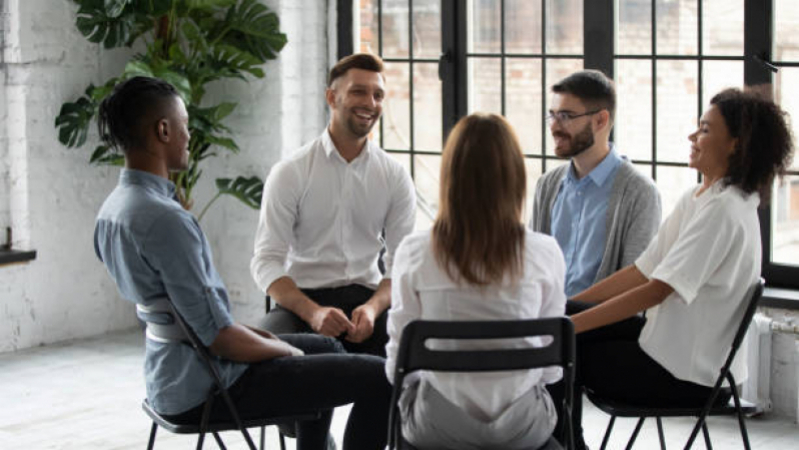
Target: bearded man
(600, 209)
(326, 214)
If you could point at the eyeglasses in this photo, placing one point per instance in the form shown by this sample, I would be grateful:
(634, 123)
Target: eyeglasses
(564, 117)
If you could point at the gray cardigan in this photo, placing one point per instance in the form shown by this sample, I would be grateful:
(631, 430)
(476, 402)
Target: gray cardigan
(633, 215)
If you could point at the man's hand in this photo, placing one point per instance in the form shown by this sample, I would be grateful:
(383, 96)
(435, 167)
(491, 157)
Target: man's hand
(331, 322)
(363, 319)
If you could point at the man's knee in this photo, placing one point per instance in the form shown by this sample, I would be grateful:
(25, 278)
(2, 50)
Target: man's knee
(283, 321)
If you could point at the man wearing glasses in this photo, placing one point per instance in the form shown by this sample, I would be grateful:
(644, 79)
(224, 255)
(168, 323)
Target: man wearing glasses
(599, 208)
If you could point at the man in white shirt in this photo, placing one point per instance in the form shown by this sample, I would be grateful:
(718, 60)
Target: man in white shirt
(327, 212)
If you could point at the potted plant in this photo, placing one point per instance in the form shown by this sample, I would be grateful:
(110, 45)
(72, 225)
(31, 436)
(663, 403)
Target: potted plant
(188, 43)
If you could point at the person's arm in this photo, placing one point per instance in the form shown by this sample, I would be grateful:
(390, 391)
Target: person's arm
(364, 316)
(622, 306)
(325, 320)
(620, 282)
(239, 343)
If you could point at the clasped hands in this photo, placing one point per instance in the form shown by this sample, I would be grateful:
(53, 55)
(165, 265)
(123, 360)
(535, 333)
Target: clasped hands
(333, 322)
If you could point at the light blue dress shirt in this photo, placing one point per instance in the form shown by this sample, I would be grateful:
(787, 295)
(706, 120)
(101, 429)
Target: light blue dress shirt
(579, 221)
(153, 249)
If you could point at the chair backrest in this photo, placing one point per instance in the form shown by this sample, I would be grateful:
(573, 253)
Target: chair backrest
(752, 298)
(414, 354)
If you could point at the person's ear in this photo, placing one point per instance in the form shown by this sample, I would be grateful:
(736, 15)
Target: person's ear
(602, 119)
(162, 130)
(330, 96)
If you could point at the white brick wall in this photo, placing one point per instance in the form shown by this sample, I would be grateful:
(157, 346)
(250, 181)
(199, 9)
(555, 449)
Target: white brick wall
(54, 194)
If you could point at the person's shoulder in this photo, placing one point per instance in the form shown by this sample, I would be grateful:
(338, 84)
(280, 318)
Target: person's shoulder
(540, 242)
(414, 248)
(555, 174)
(628, 174)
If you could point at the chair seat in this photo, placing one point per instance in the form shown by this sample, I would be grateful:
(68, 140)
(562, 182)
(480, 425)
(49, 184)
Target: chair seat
(221, 426)
(620, 409)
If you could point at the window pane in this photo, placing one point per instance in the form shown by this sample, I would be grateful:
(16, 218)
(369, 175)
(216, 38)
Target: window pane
(558, 69)
(396, 109)
(426, 28)
(719, 75)
(564, 19)
(523, 102)
(484, 32)
(426, 175)
(672, 183)
(785, 220)
(786, 94)
(426, 107)
(676, 108)
(368, 34)
(633, 126)
(634, 27)
(786, 45)
(395, 29)
(676, 27)
(484, 85)
(723, 27)
(523, 26)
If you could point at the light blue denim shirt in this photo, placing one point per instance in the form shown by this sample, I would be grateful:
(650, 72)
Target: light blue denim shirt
(579, 221)
(153, 249)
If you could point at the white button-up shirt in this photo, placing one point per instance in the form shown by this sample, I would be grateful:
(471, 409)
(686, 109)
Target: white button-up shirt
(708, 251)
(420, 289)
(322, 218)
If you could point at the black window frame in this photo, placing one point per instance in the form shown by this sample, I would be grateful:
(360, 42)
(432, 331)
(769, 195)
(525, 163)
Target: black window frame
(598, 53)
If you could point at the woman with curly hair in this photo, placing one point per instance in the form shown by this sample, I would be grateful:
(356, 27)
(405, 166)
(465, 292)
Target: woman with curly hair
(692, 278)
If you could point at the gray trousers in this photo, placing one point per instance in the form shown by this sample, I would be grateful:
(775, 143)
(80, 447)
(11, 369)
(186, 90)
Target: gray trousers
(429, 420)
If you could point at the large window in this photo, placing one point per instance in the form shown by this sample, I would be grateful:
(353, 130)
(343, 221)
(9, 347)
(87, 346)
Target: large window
(447, 58)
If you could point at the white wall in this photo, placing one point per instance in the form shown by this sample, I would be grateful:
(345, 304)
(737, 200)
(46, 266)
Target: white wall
(53, 194)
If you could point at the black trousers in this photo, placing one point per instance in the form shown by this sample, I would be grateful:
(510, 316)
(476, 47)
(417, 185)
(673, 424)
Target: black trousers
(611, 363)
(324, 378)
(282, 321)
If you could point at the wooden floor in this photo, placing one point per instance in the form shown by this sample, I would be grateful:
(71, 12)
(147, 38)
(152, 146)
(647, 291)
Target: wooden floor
(86, 395)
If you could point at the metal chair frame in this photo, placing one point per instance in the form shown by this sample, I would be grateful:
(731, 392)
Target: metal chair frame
(414, 355)
(618, 409)
(205, 425)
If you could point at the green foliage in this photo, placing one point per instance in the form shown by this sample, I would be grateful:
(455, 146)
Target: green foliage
(188, 43)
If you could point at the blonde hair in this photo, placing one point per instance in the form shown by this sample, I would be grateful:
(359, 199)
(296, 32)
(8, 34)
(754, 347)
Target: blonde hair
(479, 230)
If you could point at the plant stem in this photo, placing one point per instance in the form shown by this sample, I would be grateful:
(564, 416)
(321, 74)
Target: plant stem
(208, 205)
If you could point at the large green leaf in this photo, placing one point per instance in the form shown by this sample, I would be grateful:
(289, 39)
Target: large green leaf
(209, 5)
(248, 190)
(255, 29)
(74, 118)
(95, 23)
(105, 155)
(114, 8)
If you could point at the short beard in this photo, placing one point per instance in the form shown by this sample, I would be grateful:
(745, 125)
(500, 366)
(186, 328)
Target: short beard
(580, 142)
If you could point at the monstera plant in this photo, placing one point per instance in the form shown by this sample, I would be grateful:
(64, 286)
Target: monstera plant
(188, 43)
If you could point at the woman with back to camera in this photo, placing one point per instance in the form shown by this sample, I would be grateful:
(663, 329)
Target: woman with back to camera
(692, 278)
(477, 263)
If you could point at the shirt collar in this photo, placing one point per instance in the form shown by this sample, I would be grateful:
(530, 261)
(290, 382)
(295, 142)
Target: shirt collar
(602, 171)
(330, 147)
(148, 180)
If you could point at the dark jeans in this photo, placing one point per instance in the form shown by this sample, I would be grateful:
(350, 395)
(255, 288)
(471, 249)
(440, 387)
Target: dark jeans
(324, 378)
(282, 321)
(611, 363)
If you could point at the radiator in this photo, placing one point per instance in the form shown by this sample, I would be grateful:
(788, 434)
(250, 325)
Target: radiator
(757, 346)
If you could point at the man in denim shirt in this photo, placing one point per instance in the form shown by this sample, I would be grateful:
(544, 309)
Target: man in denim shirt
(154, 249)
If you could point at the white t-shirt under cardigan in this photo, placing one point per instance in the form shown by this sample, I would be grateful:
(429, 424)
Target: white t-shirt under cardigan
(708, 250)
(422, 290)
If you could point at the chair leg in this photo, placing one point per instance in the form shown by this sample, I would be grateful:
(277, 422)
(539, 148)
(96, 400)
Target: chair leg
(151, 442)
(741, 422)
(708, 444)
(219, 441)
(200, 440)
(263, 437)
(282, 440)
(607, 432)
(660, 434)
(635, 433)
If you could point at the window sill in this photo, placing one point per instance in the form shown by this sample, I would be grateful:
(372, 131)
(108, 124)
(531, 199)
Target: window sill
(780, 298)
(16, 256)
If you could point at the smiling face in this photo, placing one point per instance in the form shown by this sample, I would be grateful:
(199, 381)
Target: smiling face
(711, 146)
(356, 101)
(574, 136)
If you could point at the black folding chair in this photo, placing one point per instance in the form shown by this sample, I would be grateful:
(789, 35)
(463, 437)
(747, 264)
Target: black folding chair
(415, 355)
(617, 409)
(164, 315)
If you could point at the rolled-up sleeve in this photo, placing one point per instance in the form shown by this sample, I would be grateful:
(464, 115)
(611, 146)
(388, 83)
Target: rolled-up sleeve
(401, 217)
(275, 226)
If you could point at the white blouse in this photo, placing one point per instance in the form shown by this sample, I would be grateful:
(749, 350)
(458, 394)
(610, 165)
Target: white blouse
(422, 290)
(708, 250)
